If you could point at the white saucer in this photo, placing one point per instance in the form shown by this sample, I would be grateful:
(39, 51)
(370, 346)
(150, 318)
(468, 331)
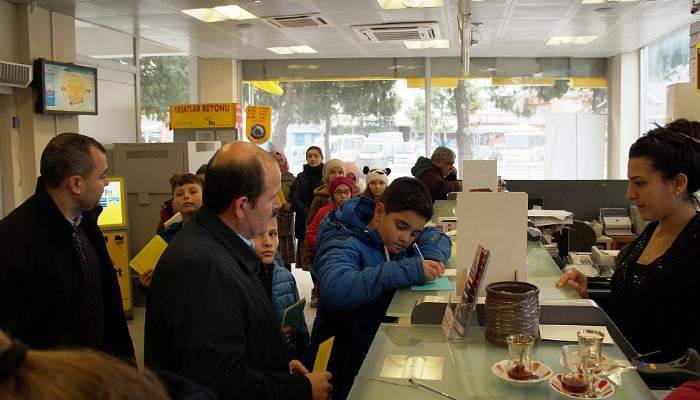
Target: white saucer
(603, 388)
(540, 369)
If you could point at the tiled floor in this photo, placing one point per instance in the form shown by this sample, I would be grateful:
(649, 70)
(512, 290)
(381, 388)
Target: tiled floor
(136, 325)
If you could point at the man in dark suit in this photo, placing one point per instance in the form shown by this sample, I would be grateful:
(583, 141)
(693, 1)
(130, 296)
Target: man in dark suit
(208, 316)
(57, 282)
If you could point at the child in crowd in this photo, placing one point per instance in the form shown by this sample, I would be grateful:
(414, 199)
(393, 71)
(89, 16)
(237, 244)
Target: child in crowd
(303, 194)
(187, 198)
(341, 189)
(364, 254)
(377, 179)
(352, 172)
(281, 287)
(285, 216)
(332, 169)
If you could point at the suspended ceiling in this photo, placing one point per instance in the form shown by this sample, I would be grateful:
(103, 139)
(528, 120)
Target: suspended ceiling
(511, 28)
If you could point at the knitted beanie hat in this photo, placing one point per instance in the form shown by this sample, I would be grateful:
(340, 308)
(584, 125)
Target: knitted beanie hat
(377, 174)
(331, 165)
(341, 180)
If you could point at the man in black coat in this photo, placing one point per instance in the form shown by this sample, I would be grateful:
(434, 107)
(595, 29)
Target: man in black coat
(58, 286)
(208, 316)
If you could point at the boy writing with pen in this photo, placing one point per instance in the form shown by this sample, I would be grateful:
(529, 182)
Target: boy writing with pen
(365, 252)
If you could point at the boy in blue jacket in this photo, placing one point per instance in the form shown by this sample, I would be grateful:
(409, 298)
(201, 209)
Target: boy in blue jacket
(364, 254)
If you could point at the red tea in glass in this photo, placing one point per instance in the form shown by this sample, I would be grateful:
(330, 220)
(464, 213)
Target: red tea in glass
(519, 372)
(574, 383)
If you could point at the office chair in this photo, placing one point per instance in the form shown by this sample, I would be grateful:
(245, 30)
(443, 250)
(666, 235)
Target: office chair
(581, 236)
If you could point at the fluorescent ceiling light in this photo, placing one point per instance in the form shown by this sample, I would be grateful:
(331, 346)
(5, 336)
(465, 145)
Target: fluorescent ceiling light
(427, 44)
(560, 40)
(606, 1)
(234, 12)
(303, 49)
(396, 4)
(205, 14)
(292, 50)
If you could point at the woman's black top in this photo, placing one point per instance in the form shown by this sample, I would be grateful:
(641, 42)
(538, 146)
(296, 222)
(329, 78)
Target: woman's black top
(657, 306)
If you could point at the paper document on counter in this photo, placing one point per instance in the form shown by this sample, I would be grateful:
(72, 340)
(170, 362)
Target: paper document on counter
(550, 217)
(567, 333)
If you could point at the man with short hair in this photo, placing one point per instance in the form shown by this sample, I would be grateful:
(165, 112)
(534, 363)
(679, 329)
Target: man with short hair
(438, 173)
(58, 286)
(208, 316)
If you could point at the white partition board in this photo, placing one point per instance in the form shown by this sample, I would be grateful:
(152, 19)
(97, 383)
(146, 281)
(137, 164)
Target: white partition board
(479, 174)
(499, 222)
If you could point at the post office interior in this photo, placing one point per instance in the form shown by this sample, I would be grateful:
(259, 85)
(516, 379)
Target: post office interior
(549, 93)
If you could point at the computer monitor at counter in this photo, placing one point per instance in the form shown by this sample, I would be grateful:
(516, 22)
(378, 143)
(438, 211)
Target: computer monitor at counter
(584, 198)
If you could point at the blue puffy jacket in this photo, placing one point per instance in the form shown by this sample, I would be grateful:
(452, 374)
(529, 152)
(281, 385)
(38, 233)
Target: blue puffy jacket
(284, 294)
(356, 284)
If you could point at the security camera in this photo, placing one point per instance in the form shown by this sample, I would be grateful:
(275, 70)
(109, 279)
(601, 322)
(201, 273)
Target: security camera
(694, 6)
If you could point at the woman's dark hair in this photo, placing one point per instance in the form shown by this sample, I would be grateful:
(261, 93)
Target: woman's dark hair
(672, 150)
(228, 180)
(314, 148)
(408, 194)
(184, 179)
(65, 155)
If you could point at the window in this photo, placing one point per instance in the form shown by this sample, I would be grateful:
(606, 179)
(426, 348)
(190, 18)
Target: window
(165, 80)
(543, 118)
(527, 129)
(366, 121)
(662, 63)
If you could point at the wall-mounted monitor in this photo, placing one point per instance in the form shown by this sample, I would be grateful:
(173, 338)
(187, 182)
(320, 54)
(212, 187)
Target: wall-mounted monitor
(65, 88)
(113, 202)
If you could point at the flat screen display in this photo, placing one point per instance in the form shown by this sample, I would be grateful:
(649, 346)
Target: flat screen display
(113, 205)
(67, 88)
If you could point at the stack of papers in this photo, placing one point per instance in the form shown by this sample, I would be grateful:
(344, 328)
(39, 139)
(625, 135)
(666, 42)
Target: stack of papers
(550, 217)
(567, 333)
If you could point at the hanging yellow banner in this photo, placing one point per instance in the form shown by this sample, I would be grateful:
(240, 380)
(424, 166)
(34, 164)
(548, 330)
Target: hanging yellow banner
(258, 123)
(210, 115)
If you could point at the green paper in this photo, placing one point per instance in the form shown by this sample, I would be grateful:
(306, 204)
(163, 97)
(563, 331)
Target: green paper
(440, 283)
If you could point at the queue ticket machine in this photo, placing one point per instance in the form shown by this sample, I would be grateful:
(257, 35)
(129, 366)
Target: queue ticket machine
(114, 225)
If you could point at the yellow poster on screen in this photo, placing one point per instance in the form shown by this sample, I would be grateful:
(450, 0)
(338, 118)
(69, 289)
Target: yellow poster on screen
(210, 115)
(258, 123)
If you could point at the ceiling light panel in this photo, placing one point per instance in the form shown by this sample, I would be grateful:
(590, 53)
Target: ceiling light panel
(427, 44)
(206, 15)
(607, 1)
(293, 50)
(397, 4)
(234, 12)
(568, 40)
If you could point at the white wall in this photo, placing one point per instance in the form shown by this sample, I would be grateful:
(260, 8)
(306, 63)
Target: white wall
(115, 121)
(623, 110)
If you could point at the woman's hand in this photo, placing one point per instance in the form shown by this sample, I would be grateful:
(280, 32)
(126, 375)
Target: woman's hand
(574, 279)
(287, 206)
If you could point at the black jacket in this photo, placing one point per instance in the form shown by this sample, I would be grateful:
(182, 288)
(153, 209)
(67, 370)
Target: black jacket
(303, 194)
(655, 305)
(432, 178)
(41, 279)
(209, 319)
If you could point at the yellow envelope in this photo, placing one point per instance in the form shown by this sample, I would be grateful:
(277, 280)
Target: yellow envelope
(148, 257)
(323, 355)
(281, 198)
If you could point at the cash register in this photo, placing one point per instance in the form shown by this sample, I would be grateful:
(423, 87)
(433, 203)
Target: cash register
(615, 222)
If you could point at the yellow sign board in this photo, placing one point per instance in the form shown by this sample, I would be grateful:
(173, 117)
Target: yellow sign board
(210, 115)
(118, 250)
(258, 123)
